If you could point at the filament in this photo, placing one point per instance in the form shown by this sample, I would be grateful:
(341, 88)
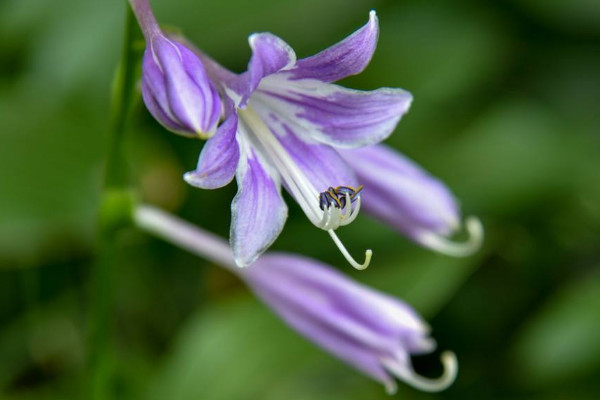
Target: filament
(347, 256)
(407, 374)
(444, 245)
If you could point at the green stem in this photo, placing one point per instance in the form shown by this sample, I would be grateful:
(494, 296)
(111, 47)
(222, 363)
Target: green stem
(123, 90)
(115, 213)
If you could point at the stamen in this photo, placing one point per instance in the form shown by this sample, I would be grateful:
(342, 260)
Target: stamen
(324, 221)
(334, 218)
(408, 375)
(444, 245)
(347, 256)
(347, 209)
(354, 213)
(323, 209)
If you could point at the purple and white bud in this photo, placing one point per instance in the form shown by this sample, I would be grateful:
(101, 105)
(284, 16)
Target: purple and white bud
(371, 331)
(401, 194)
(175, 86)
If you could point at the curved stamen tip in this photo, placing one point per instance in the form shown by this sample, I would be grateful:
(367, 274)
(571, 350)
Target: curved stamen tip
(444, 245)
(408, 375)
(347, 256)
(390, 387)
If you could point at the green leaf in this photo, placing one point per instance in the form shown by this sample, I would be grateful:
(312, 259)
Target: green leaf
(561, 341)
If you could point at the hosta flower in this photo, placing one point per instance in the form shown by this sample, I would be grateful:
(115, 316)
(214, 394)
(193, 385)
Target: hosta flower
(175, 87)
(371, 331)
(284, 124)
(403, 195)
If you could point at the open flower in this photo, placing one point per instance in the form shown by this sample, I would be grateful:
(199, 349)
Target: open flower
(284, 122)
(175, 87)
(404, 196)
(371, 331)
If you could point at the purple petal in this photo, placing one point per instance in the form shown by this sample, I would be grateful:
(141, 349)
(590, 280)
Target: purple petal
(354, 322)
(383, 315)
(211, 105)
(335, 115)
(219, 158)
(270, 54)
(152, 104)
(175, 81)
(346, 349)
(322, 165)
(258, 211)
(402, 194)
(348, 57)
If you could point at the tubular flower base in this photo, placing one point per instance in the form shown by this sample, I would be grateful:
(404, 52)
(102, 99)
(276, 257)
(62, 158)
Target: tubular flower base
(371, 331)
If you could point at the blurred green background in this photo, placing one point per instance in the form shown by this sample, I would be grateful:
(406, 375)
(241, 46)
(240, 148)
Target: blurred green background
(506, 111)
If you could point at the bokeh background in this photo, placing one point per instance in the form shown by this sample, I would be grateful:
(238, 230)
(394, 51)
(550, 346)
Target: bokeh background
(506, 111)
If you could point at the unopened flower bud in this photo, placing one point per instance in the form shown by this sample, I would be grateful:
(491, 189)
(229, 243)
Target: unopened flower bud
(175, 87)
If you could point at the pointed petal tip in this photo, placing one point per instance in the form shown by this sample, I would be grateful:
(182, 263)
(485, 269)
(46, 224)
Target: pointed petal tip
(242, 257)
(240, 263)
(195, 178)
(373, 20)
(390, 387)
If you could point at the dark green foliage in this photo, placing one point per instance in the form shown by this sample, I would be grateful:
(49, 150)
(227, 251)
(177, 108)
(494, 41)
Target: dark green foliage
(507, 95)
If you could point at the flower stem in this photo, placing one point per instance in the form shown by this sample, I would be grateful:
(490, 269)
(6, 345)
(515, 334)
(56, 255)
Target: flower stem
(185, 235)
(115, 213)
(123, 89)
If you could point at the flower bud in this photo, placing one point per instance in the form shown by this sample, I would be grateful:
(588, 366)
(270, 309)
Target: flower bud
(175, 87)
(404, 196)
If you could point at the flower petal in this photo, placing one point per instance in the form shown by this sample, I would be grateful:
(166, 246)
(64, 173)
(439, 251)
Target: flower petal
(176, 80)
(348, 57)
(321, 164)
(335, 115)
(356, 323)
(219, 158)
(346, 349)
(401, 193)
(152, 99)
(270, 54)
(310, 308)
(258, 210)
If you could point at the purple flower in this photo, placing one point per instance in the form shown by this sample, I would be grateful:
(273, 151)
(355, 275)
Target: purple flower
(373, 332)
(175, 87)
(403, 195)
(284, 123)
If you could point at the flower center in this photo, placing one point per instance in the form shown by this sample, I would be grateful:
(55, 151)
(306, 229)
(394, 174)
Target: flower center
(317, 207)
